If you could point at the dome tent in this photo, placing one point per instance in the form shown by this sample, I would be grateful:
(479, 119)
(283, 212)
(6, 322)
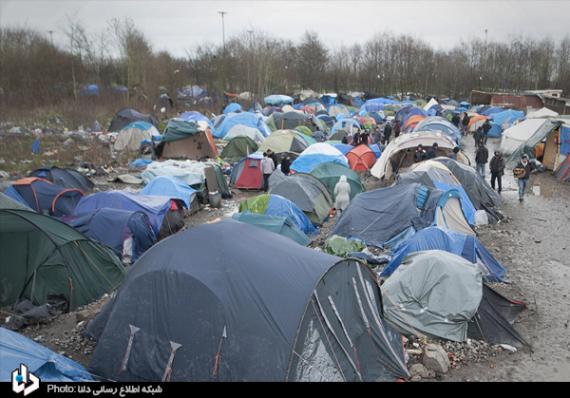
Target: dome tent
(67, 178)
(268, 323)
(329, 174)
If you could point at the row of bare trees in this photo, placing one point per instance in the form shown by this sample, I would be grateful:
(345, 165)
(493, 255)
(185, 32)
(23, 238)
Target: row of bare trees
(35, 72)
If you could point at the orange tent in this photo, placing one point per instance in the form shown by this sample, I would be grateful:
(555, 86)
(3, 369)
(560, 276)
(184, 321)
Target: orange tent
(413, 120)
(361, 158)
(476, 121)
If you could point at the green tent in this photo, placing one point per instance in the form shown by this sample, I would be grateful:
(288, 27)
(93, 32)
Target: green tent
(329, 174)
(238, 148)
(304, 130)
(41, 256)
(279, 225)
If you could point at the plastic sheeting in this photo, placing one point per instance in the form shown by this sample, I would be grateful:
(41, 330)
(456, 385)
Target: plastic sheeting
(49, 366)
(172, 187)
(189, 171)
(433, 293)
(248, 119)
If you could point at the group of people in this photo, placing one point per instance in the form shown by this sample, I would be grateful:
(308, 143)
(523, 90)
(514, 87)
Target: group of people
(423, 154)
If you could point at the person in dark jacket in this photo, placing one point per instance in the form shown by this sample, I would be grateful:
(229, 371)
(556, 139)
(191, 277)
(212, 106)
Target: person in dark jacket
(522, 173)
(486, 128)
(432, 151)
(356, 139)
(396, 128)
(481, 158)
(455, 120)
(477, 135)
(420, 153)
(387, 131)
(497, 167)
(273, 157)
(465, 123)
(286, 165)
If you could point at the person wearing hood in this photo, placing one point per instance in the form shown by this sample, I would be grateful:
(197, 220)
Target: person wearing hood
(497, 167)
(342, 194)
(522, 173)
(481, 158)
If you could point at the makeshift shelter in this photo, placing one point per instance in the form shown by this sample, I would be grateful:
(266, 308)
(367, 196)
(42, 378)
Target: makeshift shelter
(128, 233)
(170, 187)
(275, 205)
(284, 142)
(329, 174)
(239, 130)
(433, 293)
(280, 225)
(541, 113)
(48, 366)
(466, 246)
(187, 140)
(43, 257)
(399, 153)
(238, 148)
(386, 216)
(44, 197)
(563, 171)
(270, 323)
(248, 119)
(436, 175)
(128, 115)
(436, 123)
(67, 178)
(308, 193)
(547, 132)
(193, 116)
(315, 155)
(164, 213)
(131, 136)
(291, 120)
(361, 158)
(247, 173)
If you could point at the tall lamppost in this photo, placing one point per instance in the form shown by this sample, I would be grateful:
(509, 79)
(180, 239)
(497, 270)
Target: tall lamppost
(222, 13)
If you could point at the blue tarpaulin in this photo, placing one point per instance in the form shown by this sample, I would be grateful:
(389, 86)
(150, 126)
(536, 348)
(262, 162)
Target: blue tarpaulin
(172, 187)
(565, 140)
(280, 206)
(244, 118)
(232, 107)
(16, 349)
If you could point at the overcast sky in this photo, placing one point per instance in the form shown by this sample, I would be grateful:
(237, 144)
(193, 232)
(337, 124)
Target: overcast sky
(179, 25)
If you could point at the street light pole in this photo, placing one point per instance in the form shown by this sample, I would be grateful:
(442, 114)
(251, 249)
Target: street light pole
(222, 13)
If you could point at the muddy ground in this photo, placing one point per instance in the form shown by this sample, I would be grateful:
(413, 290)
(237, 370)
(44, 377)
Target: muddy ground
(532, 243)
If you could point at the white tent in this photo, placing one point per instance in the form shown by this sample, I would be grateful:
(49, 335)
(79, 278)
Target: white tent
(431, 103)
(245, 131)
(541, 113)
(518, 134)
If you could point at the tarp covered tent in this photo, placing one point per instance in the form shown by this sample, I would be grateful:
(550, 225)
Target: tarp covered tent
(329, 174)
(128, 233)
(550, 126)
(436, 123)
(277, 100)
(466, 246)
(163, 218)
(541, 113)
(247, 174)
(377, 104)
(507, 117)
(437, 175)
(343, 148)
(433, 293)
(67, 178)
(42, 256)
(399, 153)
(381, 216)
(248, 119)
(407, 112)
(44, 197)
(361, 158)
(489, 110)
(317, 154)
(238, 148)
(232, 107)
(172, 187)
(128, 115)
(275, 205)
(194, 116)
(187, 140)
(292, 119)
(239, 130)
(131, 136)
(17, 349)
(479, 191)
(284, 141)
(308, 193)
(263, 309)
(351, 126)
(280, 225)
(517, 135)
(563, 171)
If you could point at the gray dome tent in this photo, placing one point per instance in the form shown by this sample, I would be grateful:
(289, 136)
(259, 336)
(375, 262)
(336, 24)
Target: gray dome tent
(257, 308)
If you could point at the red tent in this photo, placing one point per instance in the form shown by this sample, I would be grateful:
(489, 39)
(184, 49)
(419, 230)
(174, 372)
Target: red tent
(248, 174)
(361, 158)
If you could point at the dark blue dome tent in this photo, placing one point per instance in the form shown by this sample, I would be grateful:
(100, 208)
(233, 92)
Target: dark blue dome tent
(67, 178)
(257, 308)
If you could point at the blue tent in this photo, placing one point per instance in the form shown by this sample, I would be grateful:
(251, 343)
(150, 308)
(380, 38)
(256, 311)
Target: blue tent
(439, 124)
(245, 118)
(306, 163)
(376, 149)
(377, 104)
(382, 217)
(328, 100)
(112, 226)
(344, 148)
(350, 124)
(232, 107)
(155, 207)
(90, 90)
(279, 225)
(408, 111)
(435, 238)
(16, 349)
(193, 116)
(277, 100)
(170, 186)
(508, 116)
(329, 121)
(487, 111)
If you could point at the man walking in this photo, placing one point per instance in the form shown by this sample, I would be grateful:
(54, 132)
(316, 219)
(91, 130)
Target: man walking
(396, 128)
(387, 131)
(481, 158)
(486, 128)
(497, 166)
(522, 172)
(267, 168)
